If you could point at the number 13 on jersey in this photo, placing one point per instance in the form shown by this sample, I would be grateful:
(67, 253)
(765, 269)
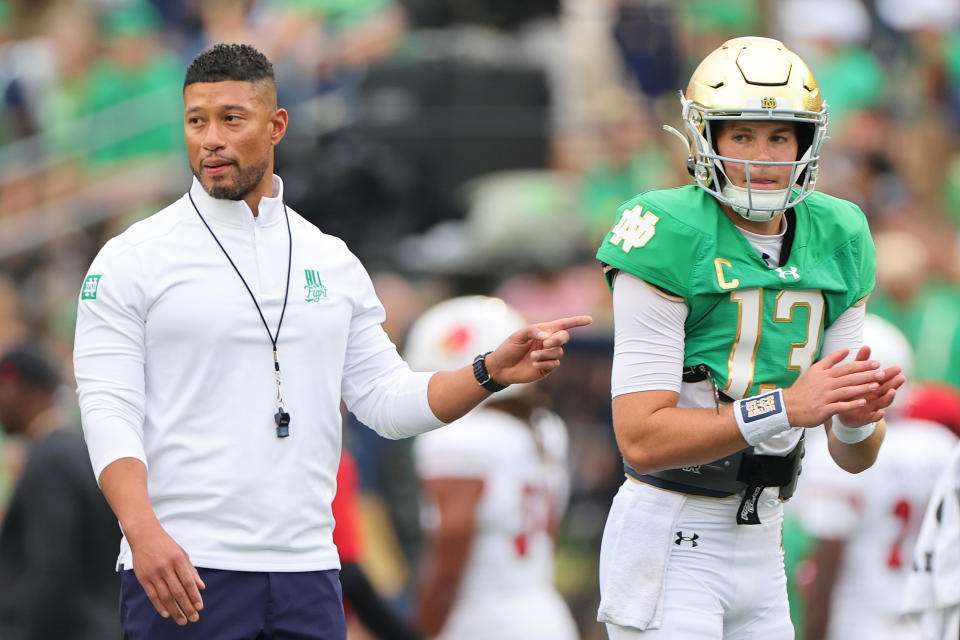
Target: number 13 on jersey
(798, 356)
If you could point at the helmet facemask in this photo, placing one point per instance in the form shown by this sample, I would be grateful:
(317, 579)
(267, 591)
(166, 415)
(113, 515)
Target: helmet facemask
(757, 205)
(755, 79)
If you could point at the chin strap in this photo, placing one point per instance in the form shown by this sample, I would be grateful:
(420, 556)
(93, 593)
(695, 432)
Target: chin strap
(766, 199)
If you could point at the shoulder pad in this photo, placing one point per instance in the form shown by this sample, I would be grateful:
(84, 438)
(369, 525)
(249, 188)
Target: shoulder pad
(651, 241)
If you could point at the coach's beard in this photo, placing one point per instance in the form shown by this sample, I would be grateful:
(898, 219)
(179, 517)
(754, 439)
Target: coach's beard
(247, 179)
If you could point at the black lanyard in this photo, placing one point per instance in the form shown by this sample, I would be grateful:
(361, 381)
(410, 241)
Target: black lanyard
(282, 418)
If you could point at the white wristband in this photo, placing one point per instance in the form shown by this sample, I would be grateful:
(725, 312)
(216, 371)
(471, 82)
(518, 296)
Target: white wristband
(852, 435)
(760, 417)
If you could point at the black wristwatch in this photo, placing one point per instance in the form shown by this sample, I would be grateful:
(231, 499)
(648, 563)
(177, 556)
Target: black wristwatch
(483, 376)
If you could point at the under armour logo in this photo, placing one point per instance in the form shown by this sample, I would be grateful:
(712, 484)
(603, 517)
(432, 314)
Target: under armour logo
(793, 272)
(682, 538)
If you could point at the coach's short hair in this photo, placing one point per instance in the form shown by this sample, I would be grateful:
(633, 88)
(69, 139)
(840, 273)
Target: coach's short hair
(223, 62)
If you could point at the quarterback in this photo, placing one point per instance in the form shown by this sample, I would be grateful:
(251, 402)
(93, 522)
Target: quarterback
(738, 305)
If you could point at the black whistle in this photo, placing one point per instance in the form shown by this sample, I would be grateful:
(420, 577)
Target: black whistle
(282, 419)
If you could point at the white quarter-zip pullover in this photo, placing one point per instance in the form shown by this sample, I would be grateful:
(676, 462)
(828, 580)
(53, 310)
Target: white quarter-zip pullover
(175, 368)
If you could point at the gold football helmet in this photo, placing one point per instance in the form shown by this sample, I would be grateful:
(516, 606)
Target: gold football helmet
(753, 79)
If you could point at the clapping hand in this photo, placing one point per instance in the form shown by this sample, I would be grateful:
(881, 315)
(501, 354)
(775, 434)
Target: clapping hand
(876, 400)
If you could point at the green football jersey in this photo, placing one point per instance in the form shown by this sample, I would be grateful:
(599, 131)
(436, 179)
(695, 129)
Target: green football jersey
(755, 327)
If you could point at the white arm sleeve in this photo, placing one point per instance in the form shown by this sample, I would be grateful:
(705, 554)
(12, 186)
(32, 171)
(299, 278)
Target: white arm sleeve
(648, 338)
(845, 333)
(377, 384)
(109, 357)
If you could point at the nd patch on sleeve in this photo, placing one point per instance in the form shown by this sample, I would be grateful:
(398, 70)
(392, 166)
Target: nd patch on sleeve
(635, 228)
(90, 286)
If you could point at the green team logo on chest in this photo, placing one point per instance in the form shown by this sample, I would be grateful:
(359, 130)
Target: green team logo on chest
(90, 286)
(316, 291)
(776, 332)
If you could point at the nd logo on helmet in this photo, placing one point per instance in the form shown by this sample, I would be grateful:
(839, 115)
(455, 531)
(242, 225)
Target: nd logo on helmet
(768, 103)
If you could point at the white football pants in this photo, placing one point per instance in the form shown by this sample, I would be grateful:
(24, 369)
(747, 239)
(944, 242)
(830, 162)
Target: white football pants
(721, 580)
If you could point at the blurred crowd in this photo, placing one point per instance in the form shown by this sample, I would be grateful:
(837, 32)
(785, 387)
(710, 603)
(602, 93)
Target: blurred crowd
(467, 147)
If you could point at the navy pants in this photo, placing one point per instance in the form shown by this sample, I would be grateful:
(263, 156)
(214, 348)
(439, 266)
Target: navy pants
(243, 605)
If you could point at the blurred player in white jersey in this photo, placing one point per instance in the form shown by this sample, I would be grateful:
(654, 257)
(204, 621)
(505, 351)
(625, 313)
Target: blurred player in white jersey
(866, 524)
(932, 596)
(494, 485)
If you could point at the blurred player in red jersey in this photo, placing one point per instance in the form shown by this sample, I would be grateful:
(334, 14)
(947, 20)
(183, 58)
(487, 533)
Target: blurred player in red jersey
(866, 524)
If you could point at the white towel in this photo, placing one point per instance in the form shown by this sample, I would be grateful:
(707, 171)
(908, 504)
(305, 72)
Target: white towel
(640, 525)
(932, 594)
